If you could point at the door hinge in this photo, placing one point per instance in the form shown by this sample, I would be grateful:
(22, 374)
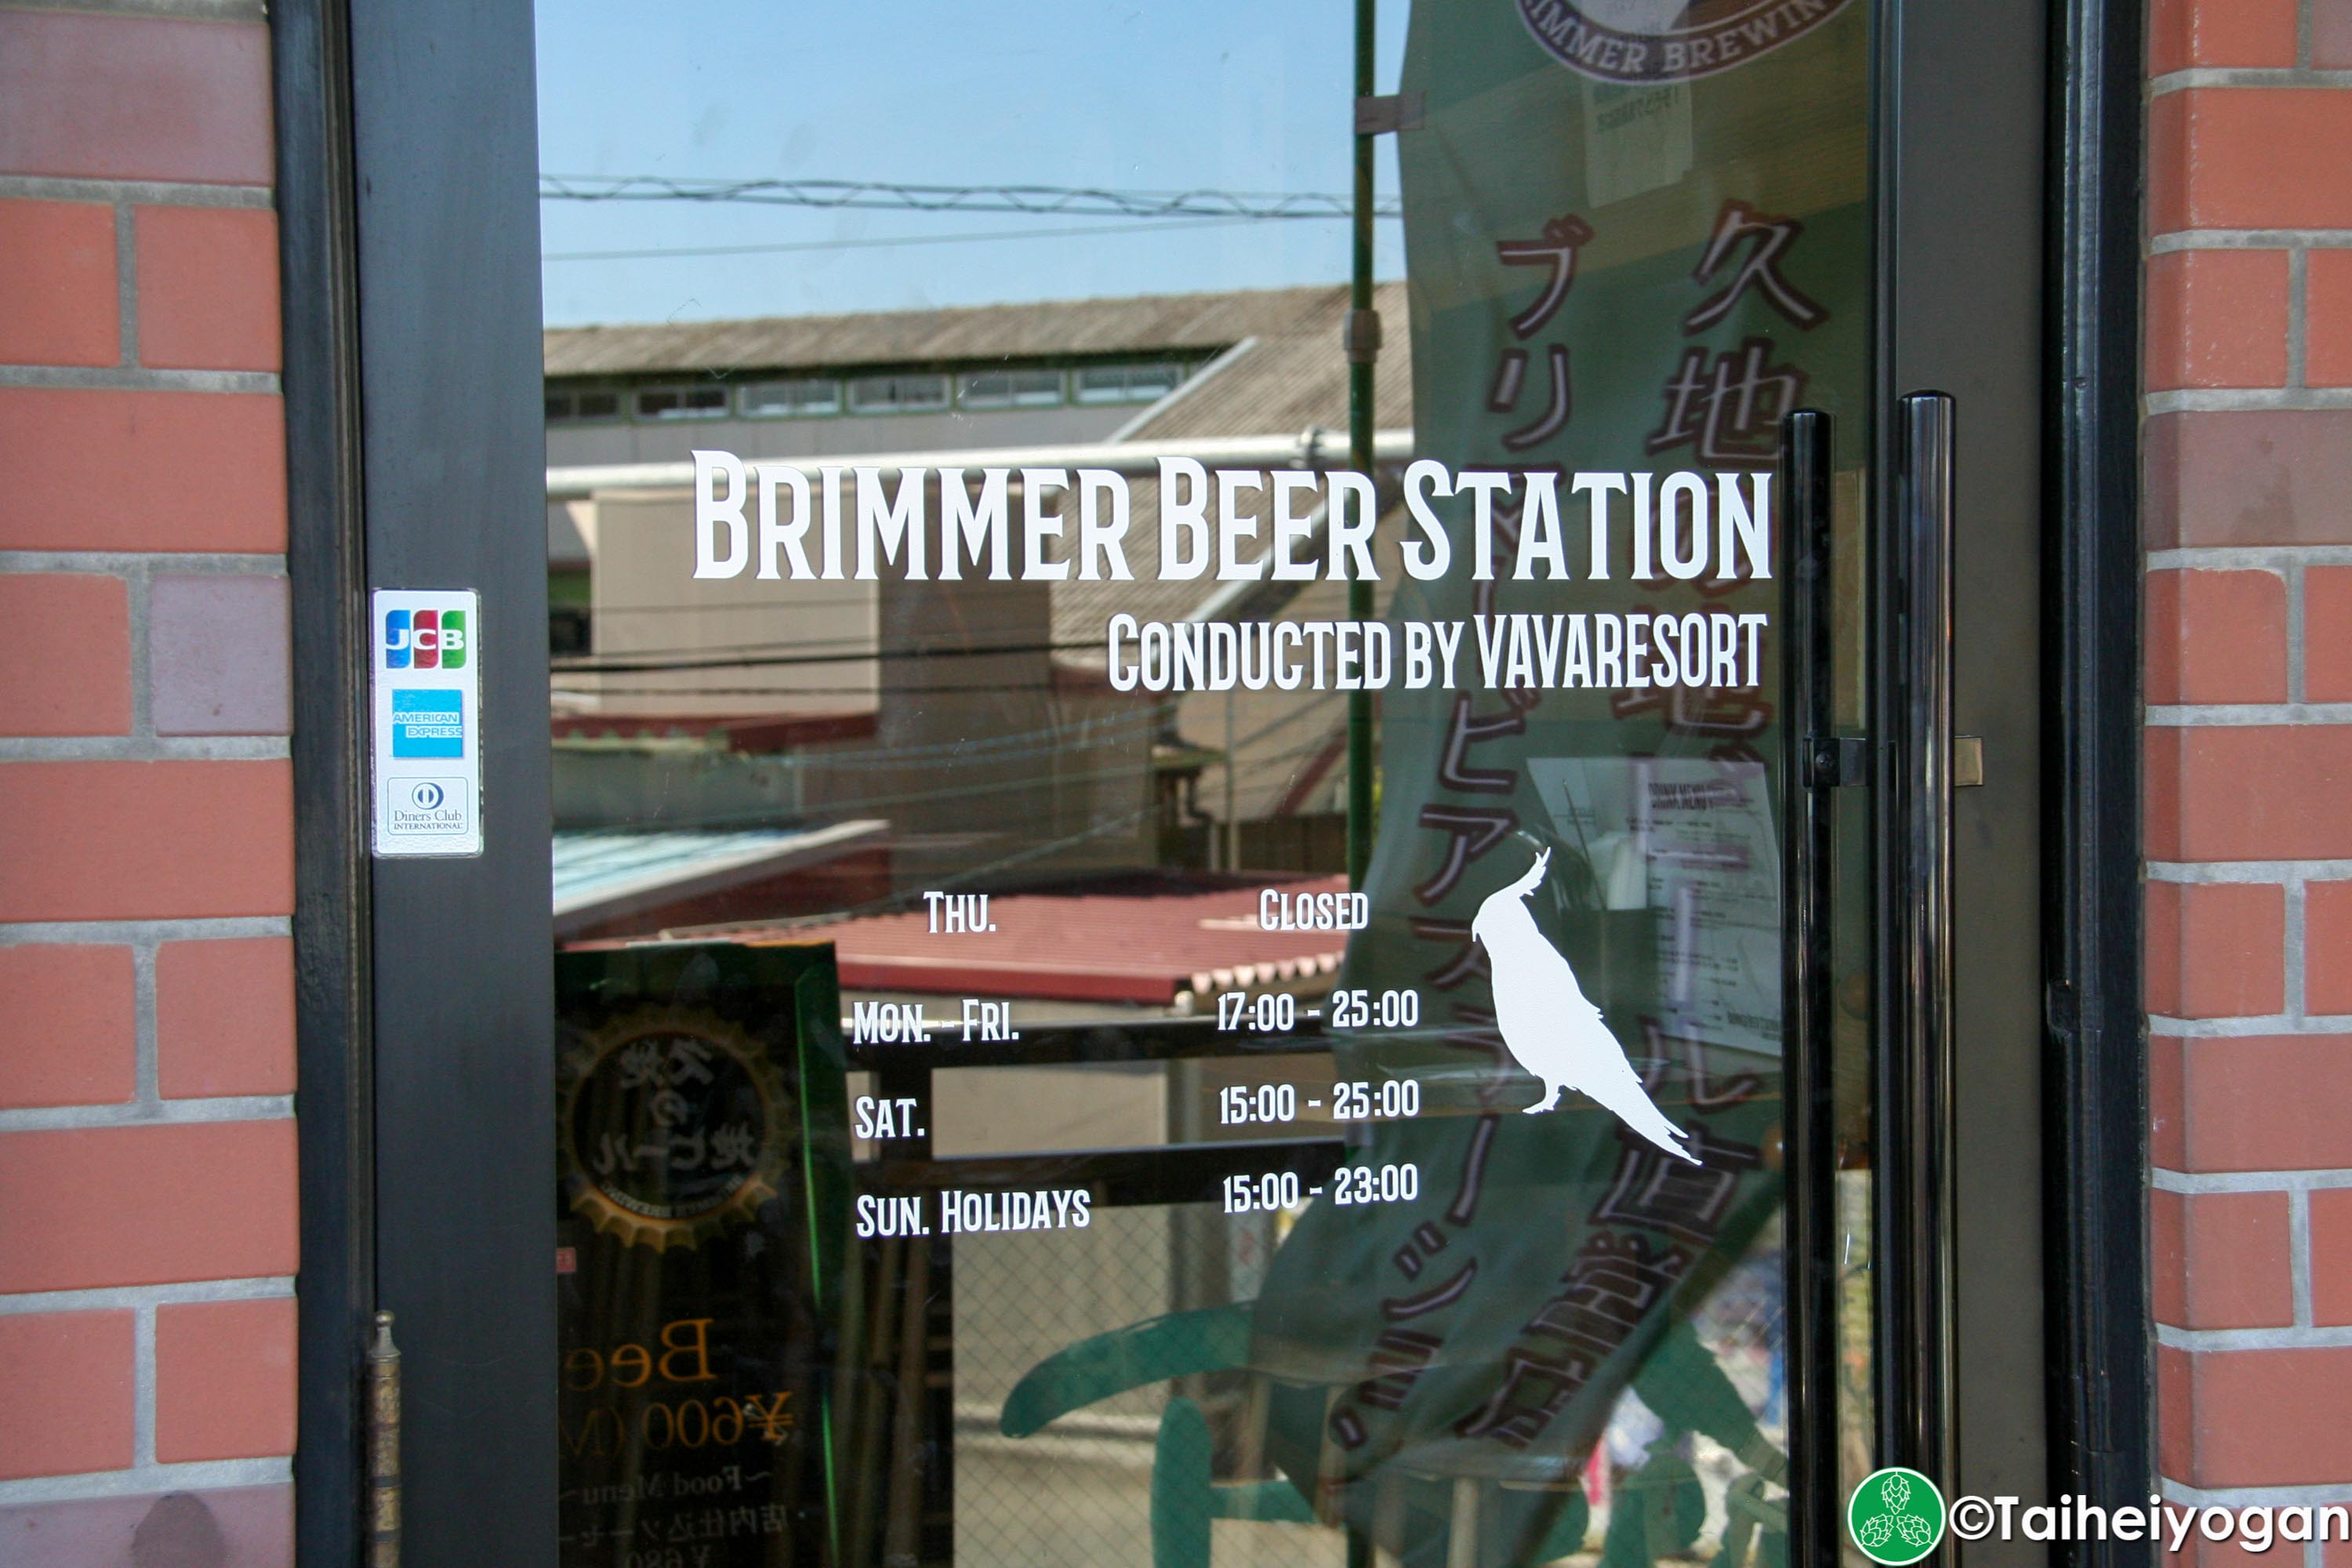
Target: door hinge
(384, 1446)
(1392, 112)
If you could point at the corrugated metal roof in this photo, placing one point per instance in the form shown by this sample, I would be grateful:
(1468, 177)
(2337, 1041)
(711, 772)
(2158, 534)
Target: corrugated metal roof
(1138, 944)
(1291, 377)
(601, 875)
(1048, 329)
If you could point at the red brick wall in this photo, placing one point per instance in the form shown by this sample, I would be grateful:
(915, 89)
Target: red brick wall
(2249, 743)
(147, 1182)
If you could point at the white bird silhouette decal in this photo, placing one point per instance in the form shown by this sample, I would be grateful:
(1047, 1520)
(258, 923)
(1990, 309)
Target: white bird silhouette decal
(1549, 1026)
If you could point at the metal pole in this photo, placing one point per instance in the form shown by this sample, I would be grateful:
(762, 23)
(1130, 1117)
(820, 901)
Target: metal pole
(1363, 343)
(1231, 846)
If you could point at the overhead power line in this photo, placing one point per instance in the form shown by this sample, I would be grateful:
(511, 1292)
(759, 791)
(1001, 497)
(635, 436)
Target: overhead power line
(1036, 201)
(892, 242)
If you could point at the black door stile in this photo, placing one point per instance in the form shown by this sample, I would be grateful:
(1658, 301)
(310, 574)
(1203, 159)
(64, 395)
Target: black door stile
(445, 126)
(2102, 1378)
(1810, 774)
(1965, 165)
(335, 1288)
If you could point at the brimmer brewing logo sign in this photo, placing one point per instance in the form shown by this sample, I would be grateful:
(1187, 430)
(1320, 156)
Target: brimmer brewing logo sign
(1667, 40)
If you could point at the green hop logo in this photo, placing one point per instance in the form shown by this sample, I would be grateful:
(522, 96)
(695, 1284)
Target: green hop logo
(1896, 1516)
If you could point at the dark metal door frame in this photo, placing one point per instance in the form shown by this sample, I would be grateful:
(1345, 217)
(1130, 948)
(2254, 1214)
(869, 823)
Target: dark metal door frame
(2013, 1094)
(2101, 1354)
(1954, 585)
(409, 219)
(1954, 647)
(444, 124)
(409, 226)
(335, 1289)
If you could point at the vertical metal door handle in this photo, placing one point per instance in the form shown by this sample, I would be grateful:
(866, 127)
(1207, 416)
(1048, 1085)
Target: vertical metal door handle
(1915, 1000)
(1810, 772)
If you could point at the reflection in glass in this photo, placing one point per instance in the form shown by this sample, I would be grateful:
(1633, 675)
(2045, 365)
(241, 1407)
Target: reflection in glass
(1106, 1209)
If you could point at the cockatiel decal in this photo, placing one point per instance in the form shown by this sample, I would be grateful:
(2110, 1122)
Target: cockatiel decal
(1547, 1025)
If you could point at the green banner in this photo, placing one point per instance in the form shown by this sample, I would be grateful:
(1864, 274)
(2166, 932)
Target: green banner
(1638, 237)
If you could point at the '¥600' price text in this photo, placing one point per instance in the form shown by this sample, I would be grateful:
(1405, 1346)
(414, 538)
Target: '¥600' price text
(681, 1424)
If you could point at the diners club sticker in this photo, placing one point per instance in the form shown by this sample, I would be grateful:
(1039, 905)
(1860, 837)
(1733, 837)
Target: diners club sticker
(1667, 40)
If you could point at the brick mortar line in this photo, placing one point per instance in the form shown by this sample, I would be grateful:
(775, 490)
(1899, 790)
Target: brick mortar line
(203, 1475)
(2325, 1338)
(126, 285)
(2248, 239)
(2283, 570)
(148, 748)
(2246, 76)
(143, 1386)
(123, 562)
(137, 584)
(163, 928)
(146, 1069)
(117, 378)
(2164, 1025)
(2281, 873)
(2298, 1255)
(2329, 399)
(117, 1297)
(2194, 1184)
(2292, 978)
(144, 1111)
(2248, 400)
(2293, 571)
(140, 193)
(183, 10)
(2243, 715)
(2299, 271)
(2227, 557)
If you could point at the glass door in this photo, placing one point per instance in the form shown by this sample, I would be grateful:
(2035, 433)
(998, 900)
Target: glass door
(1237, 870)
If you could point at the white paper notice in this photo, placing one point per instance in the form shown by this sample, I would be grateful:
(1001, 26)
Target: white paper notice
(1692, 839)
(428, 724)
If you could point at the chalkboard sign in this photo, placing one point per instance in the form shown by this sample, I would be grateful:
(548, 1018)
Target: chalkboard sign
(715, 1413)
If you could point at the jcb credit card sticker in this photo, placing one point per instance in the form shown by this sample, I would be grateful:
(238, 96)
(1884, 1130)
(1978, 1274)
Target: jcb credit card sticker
(428, 739)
